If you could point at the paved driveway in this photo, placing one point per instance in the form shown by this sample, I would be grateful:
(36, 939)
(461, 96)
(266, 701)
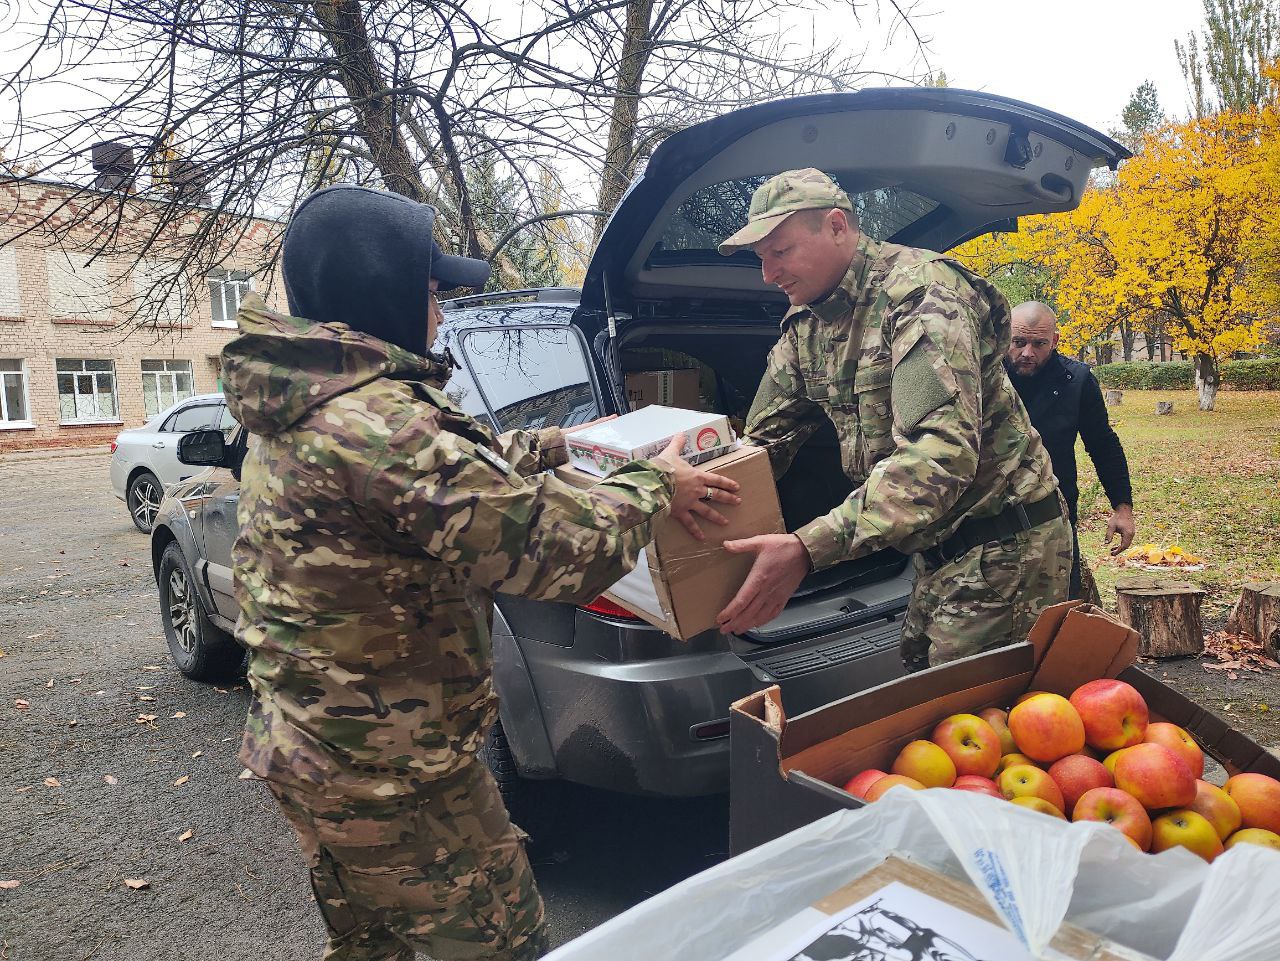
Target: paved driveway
(115, 768)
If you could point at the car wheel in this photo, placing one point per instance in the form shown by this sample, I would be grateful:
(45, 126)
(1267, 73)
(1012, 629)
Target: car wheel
(143, 497)
(496, 753)
(201, 651)
(532, 804)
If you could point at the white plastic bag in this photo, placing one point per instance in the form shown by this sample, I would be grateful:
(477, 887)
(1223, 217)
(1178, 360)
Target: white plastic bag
(1035, 871)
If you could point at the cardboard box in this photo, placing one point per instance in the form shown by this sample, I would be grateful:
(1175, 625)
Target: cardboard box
(784, 771)
(680, 584)
(604, 448)
(667, 388)
(883, 924)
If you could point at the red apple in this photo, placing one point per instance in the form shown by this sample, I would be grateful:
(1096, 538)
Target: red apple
(1156, 776)
(1180, 743)
(1258, 797)
(1267, 839)
(858, 784)
(977, 784)
(970, 742)
(876, 791)
(927, 763)
(1039, 804)
(1026, 696)
(1023, 780)
(1113, 712)
(1216, 807)
(1110, 805)
(999, 721)
(1076, 774)
(1046, 727)
(1184, 828)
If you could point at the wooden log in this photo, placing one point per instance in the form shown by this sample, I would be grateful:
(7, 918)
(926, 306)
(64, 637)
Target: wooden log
(1164, 407)
(1257, 615)
(1166, 614)
(1114, 398)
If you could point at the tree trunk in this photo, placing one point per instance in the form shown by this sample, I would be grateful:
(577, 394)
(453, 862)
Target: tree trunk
(342, 23)
(1126, 341)
(619, 155)
(1166, 614)
(1206, 380)
(1257, 615)
(1150, 336)
(1106, 352)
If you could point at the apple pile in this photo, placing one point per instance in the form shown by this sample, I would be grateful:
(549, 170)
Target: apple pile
(1092, 757)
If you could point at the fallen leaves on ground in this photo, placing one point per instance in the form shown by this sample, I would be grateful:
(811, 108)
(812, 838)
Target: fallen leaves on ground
(111, 779)
(180, 714)
(146, 718)
(138, 884)
(1235, 652)
(186, 835)
(52, 782)
(1153, 555)
(182, 780)
(9, 885)
(247, 775)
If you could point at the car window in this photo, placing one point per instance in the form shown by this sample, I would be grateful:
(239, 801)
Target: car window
(192, 418)
(531, 377)
(462, 390)
(717, 210)
(225, 422)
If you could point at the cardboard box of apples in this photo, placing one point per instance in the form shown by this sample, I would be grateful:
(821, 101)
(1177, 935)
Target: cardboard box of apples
(1095, 756)
(1139, 745)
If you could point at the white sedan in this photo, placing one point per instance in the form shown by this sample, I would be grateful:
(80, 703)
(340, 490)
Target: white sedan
(144, 460)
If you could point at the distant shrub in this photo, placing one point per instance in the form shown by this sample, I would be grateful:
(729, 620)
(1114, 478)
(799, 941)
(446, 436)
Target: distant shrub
(1252, 374)
(1180, 375)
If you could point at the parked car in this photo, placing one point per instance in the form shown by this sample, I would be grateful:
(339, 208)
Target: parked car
(144, 460)
(592, 694)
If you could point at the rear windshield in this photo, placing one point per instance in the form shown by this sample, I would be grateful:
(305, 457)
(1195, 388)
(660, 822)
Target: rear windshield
(714, 212)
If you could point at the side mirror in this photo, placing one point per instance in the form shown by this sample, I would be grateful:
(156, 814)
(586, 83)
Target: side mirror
(204, 448)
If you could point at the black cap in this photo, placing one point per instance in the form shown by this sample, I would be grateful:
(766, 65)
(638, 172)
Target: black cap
(452, 272)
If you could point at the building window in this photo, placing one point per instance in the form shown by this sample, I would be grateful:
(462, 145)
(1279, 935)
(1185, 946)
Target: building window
(164, 383)
(226, 290)
(14, 411)
(162, 292)
(78, 288)
(10, 302)
(87, 391)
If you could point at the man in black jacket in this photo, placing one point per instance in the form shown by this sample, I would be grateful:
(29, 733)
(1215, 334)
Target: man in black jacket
(1064, 399)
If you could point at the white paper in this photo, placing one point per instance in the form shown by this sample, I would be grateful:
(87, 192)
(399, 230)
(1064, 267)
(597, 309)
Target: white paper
(896, 922)
(636, 589)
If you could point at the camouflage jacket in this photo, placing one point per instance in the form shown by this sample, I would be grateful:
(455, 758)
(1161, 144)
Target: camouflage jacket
(377, 521)
(906, 359)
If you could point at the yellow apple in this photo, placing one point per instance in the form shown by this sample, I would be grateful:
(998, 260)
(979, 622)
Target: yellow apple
(1184, 828)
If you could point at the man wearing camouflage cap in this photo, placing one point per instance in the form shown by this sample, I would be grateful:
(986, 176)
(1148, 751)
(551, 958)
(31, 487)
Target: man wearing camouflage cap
(377, 522)
(903, 351)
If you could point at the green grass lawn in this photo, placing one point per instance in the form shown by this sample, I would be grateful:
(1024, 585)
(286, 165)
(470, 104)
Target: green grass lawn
(1209, 481)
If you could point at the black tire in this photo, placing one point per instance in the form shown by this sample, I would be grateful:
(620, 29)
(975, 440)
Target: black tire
(496, 754)
(532, 804)
(143, 498)
(201, 651)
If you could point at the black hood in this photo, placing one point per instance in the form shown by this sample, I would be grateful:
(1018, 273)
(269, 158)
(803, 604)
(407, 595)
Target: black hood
(361, 257)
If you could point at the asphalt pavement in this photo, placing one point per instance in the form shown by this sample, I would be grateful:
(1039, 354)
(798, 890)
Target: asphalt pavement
(123, 816)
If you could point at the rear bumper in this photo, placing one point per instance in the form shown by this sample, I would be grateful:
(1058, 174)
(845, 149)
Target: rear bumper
(632, 725)
(119, 476)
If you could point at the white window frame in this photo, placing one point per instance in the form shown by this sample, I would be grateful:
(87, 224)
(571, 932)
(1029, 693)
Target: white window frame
(5, 422)
(221, 281)
(169, 374)
(94, 374)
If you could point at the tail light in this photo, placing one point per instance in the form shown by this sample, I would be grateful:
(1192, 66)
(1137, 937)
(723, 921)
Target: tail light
(603, 606)
(113, 447)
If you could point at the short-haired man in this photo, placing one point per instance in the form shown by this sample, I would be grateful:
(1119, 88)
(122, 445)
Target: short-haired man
(1064, 400)
(902, 350)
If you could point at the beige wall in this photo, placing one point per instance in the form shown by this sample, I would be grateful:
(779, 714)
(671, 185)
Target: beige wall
(52, 308)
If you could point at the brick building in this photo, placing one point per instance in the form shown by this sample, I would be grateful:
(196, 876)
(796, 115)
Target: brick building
(74, 370)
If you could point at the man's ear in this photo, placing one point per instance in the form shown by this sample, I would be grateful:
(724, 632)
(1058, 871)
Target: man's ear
(838, 222)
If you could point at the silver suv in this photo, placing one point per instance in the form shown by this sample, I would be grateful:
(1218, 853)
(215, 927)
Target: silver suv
(591, 694)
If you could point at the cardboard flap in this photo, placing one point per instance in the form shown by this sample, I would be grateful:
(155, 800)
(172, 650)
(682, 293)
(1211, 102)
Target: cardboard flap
(763, 706)
(1087, 644)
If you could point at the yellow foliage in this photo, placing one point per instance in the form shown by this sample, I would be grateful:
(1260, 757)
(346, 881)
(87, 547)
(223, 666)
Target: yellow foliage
(1155, 555)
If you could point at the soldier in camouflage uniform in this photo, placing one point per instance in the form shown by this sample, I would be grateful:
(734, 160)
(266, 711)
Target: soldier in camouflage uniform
(377, 521)
(902, 350)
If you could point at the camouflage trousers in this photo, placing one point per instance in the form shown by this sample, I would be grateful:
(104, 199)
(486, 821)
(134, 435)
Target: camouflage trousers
(444, 873)
(988, 598)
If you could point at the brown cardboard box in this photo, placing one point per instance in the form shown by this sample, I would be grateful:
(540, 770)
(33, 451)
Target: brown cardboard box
(784, 771)
(1070, 941)
(670, 388)
(681, 584)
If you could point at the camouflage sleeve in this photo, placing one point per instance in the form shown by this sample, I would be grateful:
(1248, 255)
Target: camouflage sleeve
(782, 416)
(530, 452)
(538, 537)
(936, 392)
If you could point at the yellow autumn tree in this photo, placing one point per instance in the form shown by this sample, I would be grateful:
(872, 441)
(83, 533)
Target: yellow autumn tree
(1171, 240)
(1264, 252)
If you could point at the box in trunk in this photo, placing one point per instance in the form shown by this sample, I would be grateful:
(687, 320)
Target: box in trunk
(667, 388)
(680, 584)
(784, 771)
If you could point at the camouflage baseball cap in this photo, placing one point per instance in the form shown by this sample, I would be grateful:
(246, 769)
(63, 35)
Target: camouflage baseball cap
(781, 196)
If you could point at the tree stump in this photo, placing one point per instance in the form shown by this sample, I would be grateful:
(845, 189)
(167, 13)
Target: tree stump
(1257, 615)
(1114, 398)
(1164, 407)
(1166, 615)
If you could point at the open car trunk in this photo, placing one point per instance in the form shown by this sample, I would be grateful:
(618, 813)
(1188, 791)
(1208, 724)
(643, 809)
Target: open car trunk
(730, 360)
